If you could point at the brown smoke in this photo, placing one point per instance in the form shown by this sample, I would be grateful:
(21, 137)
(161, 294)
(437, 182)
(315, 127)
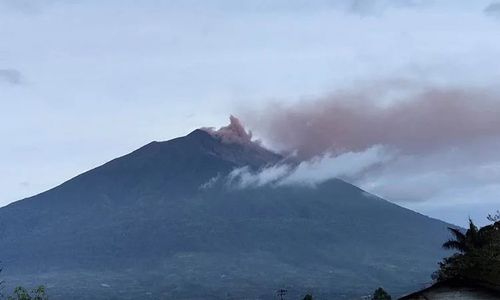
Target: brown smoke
(413, 122)
(232, 133)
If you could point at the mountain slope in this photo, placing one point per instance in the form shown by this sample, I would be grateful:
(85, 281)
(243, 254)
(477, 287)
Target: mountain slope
(143, 226)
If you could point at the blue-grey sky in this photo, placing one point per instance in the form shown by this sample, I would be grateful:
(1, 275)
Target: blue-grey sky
(82, 82)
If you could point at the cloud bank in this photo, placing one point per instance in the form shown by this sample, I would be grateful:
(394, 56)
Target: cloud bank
(309, 172)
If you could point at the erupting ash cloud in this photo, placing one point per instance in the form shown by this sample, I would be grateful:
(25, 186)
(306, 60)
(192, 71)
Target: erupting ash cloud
(416, 122)
(232, 133)
(405, 142)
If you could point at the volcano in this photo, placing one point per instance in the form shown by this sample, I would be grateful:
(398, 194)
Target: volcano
(148, 226)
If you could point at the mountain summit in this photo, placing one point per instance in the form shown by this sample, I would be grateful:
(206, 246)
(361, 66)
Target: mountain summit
(146, 226)
(233, 133)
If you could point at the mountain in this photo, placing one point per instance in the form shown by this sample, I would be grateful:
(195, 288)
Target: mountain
(147, 226)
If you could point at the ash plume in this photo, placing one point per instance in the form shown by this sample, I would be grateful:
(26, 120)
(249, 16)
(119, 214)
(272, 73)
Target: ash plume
(424, 121)
(235, 132)
(439, 144)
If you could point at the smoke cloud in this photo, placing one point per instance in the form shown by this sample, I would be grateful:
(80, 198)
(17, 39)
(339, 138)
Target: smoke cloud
(414, 122)
(406, 142)
(232, 133)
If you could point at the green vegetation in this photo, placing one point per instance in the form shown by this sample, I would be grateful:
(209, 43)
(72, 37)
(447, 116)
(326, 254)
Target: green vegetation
(21, 293)
(308, 297)
(477, 256)
(381, 294)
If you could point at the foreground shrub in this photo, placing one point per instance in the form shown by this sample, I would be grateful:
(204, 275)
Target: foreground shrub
(21, 293)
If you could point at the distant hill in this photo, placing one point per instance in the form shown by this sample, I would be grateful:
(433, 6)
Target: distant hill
(142, 227)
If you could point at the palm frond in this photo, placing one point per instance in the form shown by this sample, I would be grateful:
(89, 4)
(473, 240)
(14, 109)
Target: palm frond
(455, 245)
(459, 235)
(472, 228)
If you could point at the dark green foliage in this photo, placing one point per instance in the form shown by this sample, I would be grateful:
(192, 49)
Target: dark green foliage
(465, 242)
(494, 218)
(21, 293)
(477, 257)
(308, 297)
(381, 294)
(39, 293)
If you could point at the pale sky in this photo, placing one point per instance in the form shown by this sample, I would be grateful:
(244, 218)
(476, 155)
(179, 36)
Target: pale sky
(82, 82)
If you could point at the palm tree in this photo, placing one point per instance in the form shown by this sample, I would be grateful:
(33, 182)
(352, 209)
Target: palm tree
(478, 256)
(465, 242)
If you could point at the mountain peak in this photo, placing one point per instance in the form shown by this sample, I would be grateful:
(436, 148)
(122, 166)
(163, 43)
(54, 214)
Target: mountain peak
(234, 133)
(150, 212)
(236, 144)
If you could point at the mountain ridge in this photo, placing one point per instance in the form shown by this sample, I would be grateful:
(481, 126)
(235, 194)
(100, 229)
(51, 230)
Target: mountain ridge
(145, 213)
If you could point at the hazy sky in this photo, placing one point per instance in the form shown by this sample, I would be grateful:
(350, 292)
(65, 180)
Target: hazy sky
(82, 82)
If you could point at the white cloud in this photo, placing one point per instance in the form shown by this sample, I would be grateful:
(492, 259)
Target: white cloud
(244, 177)
(313, 171)
(346, 165)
